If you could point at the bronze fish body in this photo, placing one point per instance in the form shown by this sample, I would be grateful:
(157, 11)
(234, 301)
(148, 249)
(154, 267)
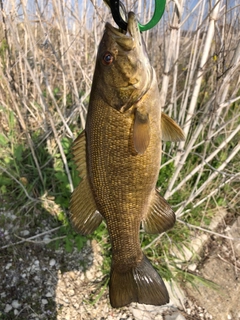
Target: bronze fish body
(118, 156)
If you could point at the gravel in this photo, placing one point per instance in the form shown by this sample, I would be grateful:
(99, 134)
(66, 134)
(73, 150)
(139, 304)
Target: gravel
(39, 281)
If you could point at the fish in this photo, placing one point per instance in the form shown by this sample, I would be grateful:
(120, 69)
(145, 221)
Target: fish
(118, 157)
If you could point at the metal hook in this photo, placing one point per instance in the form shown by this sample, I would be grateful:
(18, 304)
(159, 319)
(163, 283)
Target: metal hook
(117, 5)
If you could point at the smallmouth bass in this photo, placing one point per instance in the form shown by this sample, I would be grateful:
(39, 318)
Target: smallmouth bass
(118, 156)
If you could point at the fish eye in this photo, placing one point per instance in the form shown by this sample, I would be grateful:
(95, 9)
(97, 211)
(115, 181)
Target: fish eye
(107, 58)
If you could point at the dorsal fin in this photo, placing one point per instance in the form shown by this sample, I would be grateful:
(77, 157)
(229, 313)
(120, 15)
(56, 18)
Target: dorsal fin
(170, 129)
(83, 210)
(79, 154)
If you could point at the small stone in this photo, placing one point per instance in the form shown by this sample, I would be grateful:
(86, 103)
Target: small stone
(174, 316)
(36, 262)
(180, 317)
(76, 305)
(36, 279)
(11, 216)
(8, 266)
(46, 239)
(71, 292)
(89, 243)
(99, 274)
(52, 262)
(82, 277)
(24, 233)
(229, 317)
(8, 308)
(44, 301)
(188, 310)
(71, 274)
(49, 295)
(90, 259)
(16, 304)
(89, 275)
(192, 267)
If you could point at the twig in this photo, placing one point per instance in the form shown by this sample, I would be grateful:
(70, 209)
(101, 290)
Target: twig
(214, 169)
(208, 231)
(194, 227)
(21, 185)
(154, 241)
(235, 260)
(179, 212)
(209, 158)
(30, 238)
(38, 242)
(227, 262)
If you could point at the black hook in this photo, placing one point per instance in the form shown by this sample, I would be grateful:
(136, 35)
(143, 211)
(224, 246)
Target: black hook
(115, 6)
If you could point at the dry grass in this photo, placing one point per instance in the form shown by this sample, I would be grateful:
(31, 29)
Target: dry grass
(47, 58)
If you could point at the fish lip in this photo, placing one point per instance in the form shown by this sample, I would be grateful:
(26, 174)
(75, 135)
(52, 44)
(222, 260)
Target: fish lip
(114, 30)
(132, 27)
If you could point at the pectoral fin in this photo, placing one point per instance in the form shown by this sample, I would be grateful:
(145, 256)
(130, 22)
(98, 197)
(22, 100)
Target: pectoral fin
(141, 132)
(160, 216)
(83, 210)
(170, 129)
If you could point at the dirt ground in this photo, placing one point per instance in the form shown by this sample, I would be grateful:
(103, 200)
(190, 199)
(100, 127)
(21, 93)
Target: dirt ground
(39, 282)
(221, 264)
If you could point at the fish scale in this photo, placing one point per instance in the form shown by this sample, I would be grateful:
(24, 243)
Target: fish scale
(114, 182)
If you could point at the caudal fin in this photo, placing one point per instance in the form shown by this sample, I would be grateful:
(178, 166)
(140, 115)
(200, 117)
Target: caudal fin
(141, 284)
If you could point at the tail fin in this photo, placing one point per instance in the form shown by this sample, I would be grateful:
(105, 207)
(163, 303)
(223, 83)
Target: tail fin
(141, 284)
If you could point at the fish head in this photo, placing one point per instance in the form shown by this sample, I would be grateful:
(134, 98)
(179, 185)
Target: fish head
(123, 70)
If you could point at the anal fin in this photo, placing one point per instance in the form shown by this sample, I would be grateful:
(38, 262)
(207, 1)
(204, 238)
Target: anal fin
(160, 216)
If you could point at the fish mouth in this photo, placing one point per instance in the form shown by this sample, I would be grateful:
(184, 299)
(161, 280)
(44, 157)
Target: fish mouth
(126, 39)
(136, 68)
